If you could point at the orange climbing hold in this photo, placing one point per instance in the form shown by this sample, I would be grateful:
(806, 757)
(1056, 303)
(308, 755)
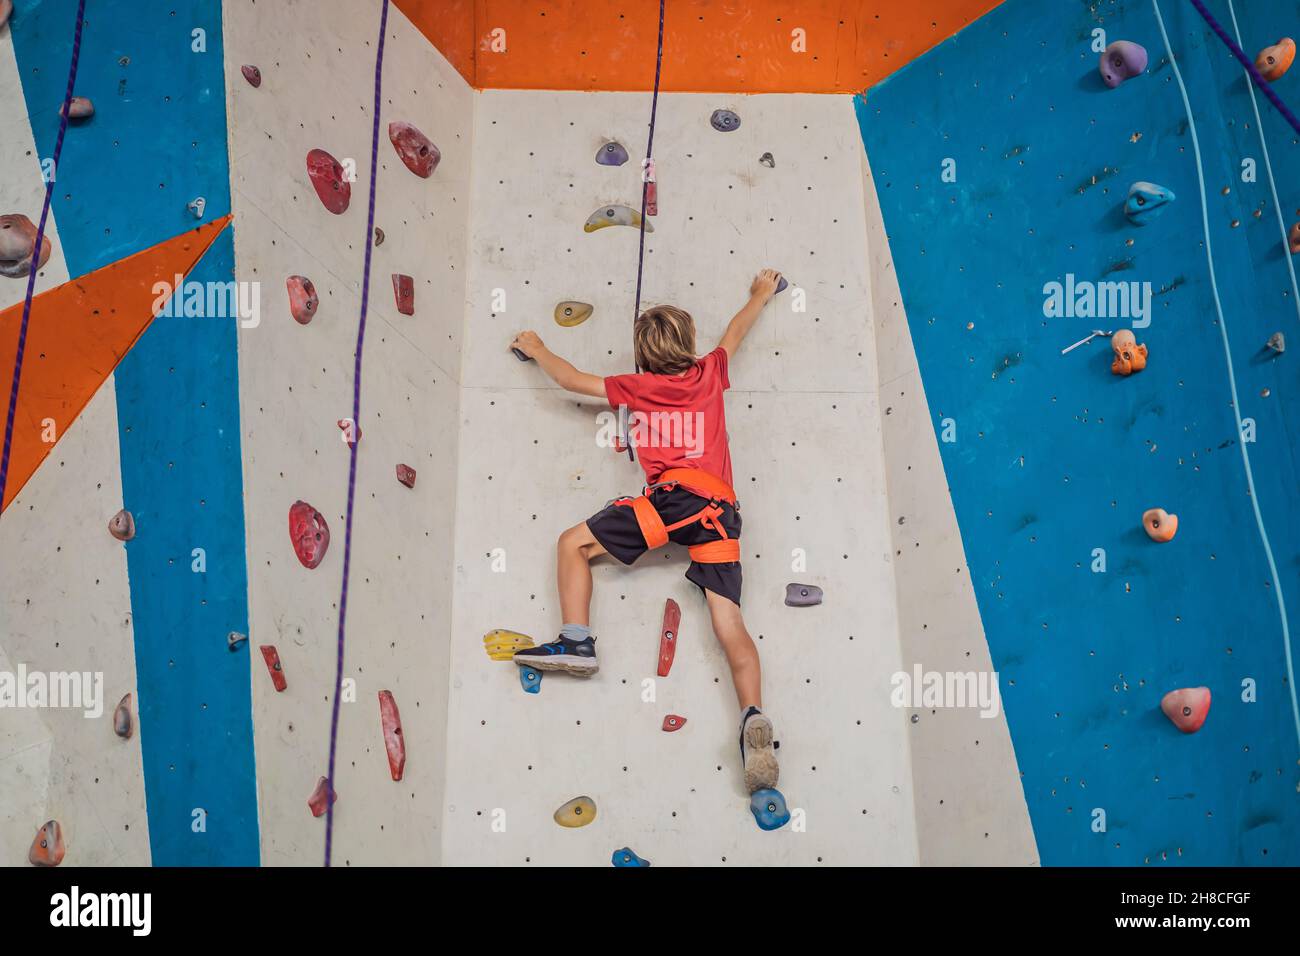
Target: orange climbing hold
(1187, 707)
(1273, 61)
(394, 742)
(122, 526)
(47, 849)
(1129, 356)
(321, 797)
(668, 636)
(1293, 238)
(272, 658)
(1159, 524)
(80, 107)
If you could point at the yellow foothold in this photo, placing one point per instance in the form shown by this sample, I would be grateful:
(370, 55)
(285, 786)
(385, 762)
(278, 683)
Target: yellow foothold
(501, 645)
(615, 216)
(578, 812)
(569, 314)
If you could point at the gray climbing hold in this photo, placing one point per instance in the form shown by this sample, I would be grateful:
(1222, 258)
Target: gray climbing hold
(724, 121)
(196, 206)
(235, 640)
(1146, 201)
(611, 154)
(122, 526)
(802, 595)
(122, 725)
(1277, 343)
(767, 160)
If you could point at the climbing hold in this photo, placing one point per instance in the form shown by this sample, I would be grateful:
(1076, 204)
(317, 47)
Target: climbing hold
(615, 216)
(6, 8)
(1292, 238)
(319, 797)
(406, 475)
(530, 680)
(578, 812)
(1187, 707)
(1160, 525)
(668, 636)
(122, 526)
(1275, 60)
(1121, 61)
(520, 355)
(651, 198)
(122, 724)
(302, 299)
(1146, 201)
(625, 857)
(768, 807)
(252, 74)
(404, 293)
(724, 121)
(781, 285)
(326, 176)
(501, 645)
(611, 154)
(17, 243)
(79, 107)
(308, 533)
(1129, 356)
(673, 723)
(379, 236)
(1276, 343)
(802, 595)
(767, 160)
(394, 742)
(272, 658)
(196, 206)
(351, 432)
(569, 314)
(417, 152)
(235, 640)
(47, 849)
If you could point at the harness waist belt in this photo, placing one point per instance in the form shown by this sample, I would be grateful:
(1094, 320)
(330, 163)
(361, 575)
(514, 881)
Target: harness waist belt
(701, 483)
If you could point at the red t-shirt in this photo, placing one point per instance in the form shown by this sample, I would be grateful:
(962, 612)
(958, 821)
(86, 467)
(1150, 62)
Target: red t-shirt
(677, 421)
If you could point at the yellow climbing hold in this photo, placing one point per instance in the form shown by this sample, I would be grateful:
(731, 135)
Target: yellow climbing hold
(501, 645)
(578, 812)
(617, 215)
(569, 314)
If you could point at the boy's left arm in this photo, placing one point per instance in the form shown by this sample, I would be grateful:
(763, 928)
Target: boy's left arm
(561, 371)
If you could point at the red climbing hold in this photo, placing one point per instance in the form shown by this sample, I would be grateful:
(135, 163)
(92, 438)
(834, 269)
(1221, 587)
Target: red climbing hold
(1273, 61)
(79, 107)
(668, 636)
(673, 723)
(406, 475)
(1187, 707)
(252, 74)
(47, 849)
(122, 725)
(17, 245)
(319, 796)
(394, 742)
(417, 152)
(302, 299)
(351, 431)
(1293, 238)
(652, 199)
(122, 526)
(272, 658)
(6, 8)
(326, 175)
(309, 534)
(404, 293)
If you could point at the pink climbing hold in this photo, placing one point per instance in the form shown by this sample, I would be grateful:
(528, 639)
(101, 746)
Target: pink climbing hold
(302, 299)
(406, 475)
(18, 245)
(47, 849)
(122, 526)
(272, 658)
(80, 107)
(326, 176)
(416, 151)
(321, 797)
(394, 742)
(252, 74)
(1187, 707)
(309, 534)
(404, 293)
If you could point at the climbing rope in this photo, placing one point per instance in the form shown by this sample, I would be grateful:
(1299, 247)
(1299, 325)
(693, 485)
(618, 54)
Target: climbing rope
(36, 255)
(1232, 379)
(1240, 54)
(645, 187)
(355, 443)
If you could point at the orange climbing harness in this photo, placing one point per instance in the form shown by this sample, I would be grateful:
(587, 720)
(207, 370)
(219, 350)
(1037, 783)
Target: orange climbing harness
(706, 486)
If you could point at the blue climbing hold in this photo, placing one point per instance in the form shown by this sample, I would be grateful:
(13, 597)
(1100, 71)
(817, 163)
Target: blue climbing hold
(625, 857)
(530, 679)
(611, 154)
(768, 807)
(1146, 201)
(724, 121)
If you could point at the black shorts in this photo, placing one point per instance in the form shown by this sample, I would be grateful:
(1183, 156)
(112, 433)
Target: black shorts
(615, 527)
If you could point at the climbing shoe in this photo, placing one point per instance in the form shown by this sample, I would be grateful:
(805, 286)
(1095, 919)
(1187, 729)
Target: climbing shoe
(758, 751)
(572, 657)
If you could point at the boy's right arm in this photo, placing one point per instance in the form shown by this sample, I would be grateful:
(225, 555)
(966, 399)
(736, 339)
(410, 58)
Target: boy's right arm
(562, 372)
(760, 291)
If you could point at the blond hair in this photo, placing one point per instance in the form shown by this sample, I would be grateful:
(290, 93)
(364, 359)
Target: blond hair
(663, 338)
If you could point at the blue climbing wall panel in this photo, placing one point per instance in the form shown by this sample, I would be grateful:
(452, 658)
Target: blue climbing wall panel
(1056, 457)
(157, 141)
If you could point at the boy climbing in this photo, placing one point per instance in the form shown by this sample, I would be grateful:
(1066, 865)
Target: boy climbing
(678, 422)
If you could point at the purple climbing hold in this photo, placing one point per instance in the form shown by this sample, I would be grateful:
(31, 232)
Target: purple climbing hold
(611, 154)
(1121, 61)
(252, 74)
(724, 121)
(780, 286)
(802, 595)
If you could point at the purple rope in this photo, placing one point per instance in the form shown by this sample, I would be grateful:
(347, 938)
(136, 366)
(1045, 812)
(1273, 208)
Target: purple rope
(1249, 64)
(36, 255)
(356, 437)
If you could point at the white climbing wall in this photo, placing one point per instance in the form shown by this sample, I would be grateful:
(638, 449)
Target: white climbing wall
(805, 427)
(296, 381)
(63, 578)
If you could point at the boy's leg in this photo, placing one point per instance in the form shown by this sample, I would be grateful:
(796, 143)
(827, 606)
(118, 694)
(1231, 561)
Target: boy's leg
(757, 744)
(575, 649)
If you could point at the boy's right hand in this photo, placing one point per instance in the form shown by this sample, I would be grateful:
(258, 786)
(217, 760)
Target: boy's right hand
(765, 283)
(530, 343)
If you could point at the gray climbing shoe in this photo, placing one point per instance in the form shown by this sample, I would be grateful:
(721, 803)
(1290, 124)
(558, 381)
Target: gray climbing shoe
(758, 751)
